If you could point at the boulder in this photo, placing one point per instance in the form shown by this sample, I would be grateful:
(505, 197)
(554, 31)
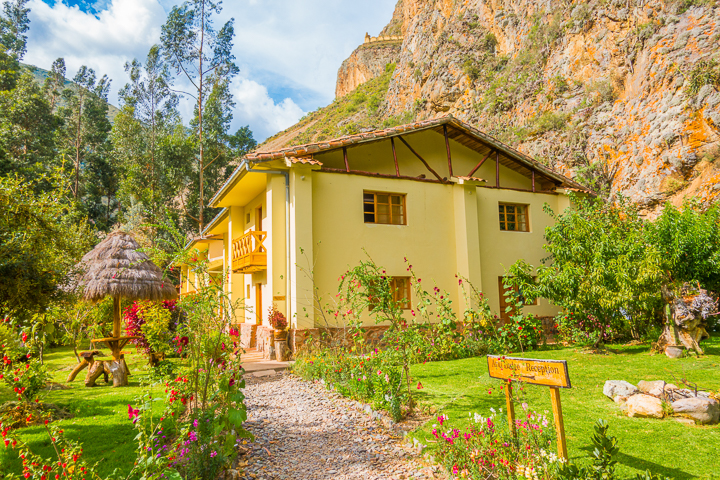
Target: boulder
(687, 393)
(702, 410)
(642, 405)
(654, 387)
(614, 388)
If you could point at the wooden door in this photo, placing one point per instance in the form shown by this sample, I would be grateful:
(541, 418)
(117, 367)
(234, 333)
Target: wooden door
(258, 219)
(258, 303)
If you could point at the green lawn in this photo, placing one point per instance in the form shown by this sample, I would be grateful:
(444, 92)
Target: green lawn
(100, 419)
(663, 446)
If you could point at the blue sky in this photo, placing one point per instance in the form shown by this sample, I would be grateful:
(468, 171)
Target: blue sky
(288, 51)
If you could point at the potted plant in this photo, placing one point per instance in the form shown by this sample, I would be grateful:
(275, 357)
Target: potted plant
(278, 322)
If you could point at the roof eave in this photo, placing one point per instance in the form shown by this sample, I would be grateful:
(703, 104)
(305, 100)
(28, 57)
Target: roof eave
(227, 186)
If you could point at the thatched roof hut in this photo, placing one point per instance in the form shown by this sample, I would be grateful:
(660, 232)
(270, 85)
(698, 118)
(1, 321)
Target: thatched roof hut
(116, 268)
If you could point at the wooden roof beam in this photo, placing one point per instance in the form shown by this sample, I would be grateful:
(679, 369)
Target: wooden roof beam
(422, 160)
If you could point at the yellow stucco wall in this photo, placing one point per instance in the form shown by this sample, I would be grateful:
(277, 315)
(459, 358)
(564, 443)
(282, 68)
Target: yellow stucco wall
(451, 228)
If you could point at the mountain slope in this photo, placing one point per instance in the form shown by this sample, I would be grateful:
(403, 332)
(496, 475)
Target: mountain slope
(620, 94)
(40, 75)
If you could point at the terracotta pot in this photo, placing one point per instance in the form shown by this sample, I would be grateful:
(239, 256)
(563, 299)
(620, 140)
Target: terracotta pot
(280, 334)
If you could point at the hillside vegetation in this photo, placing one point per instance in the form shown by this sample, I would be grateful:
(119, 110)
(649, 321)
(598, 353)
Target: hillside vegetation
(620, 95)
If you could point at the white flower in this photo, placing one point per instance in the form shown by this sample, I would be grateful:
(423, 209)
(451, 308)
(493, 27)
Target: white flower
(493, 410)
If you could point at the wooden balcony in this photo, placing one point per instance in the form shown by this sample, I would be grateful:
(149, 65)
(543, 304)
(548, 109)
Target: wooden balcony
(248, 253)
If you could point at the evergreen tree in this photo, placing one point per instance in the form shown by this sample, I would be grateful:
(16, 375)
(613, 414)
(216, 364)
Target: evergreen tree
(27, 131)
(204, 57)
(14, 26)
(55, 83)
(219, 146)
(152, 147)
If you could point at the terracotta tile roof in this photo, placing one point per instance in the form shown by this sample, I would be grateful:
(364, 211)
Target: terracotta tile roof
(304, 160)
(472, 179)
(299, 151)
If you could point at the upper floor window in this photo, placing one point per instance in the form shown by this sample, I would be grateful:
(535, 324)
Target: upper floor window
(385, 208)
(514, 217)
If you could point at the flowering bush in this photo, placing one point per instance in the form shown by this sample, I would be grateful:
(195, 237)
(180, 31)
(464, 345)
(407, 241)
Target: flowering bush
(486, 449)
(371, 378)
(23, 375)
(151, 322)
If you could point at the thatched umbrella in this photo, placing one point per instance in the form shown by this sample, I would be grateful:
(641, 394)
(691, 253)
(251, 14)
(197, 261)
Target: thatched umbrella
(115, 267)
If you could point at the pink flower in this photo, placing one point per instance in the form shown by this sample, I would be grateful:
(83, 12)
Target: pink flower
(133, 413)
(234, 332)
(419, 386)
(213, 454)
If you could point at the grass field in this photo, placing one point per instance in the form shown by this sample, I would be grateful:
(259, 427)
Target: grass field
(455, 388)
(664, 446)
(100, 421)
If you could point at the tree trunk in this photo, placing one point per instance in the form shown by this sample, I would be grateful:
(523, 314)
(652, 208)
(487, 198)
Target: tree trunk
(685, 314)
(78, 368)
(96, 369)
(118, 372)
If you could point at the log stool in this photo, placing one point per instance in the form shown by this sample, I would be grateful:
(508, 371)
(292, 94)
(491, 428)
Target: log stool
(87, 358)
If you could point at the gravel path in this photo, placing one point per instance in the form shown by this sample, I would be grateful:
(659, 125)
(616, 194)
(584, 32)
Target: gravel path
(302, 431)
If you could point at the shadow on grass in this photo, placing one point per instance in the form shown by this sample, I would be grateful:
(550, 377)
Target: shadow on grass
(643, 465)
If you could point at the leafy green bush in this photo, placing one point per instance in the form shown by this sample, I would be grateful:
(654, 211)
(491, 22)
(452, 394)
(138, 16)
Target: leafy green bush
(705, 72)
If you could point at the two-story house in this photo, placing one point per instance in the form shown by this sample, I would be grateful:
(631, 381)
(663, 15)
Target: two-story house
(439, 192)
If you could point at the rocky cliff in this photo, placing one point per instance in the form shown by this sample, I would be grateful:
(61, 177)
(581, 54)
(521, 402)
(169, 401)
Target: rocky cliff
(622, 95)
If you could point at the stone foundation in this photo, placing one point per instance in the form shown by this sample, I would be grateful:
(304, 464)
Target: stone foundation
(248, 335)
(373, 334)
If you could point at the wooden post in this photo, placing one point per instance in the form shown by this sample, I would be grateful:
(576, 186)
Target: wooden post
(116, 317)
(447, 147)
(421, 159)
(559, 425)
(533, 181)
(397, 168)
(480, 164)
(497, 168)
(510, 407)
(347, 164)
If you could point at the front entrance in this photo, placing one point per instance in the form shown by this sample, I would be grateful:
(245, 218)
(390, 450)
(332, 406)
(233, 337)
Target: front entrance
(258, 303)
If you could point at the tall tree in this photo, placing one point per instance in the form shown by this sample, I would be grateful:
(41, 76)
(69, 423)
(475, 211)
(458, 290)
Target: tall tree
(86, 126)
(149, 141)
(14, 26)
(219, 146)
(27, 130)
(199, 53)
(55, 82)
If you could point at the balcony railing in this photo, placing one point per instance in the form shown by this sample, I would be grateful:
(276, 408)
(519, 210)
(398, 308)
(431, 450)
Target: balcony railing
(248, 253)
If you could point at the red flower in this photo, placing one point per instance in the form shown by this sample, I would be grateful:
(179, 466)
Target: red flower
(420, 386)
(133, 413)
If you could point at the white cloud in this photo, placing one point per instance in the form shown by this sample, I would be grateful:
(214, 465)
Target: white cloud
(295, 46)
(126, 29)
(255, 107)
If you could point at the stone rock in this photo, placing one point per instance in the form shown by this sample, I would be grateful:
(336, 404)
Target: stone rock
(642, 405)
(686, 392)
(702, 410)
(614, 388)
(654, 387)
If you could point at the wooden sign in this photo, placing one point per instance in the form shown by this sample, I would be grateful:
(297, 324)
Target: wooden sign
(549, 373)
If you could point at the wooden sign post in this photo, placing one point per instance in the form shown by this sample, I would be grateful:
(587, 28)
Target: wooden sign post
(549, 373)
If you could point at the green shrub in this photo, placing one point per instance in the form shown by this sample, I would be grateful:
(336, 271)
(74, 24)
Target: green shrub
(549, 121)
(705, 72)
